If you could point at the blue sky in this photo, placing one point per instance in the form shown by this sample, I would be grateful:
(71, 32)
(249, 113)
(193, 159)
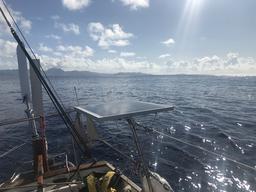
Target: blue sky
(153, 36)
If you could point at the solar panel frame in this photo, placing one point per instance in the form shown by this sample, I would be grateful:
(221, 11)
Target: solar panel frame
(97, 111)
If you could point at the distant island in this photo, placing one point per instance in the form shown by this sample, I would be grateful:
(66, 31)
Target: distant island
(57, 72)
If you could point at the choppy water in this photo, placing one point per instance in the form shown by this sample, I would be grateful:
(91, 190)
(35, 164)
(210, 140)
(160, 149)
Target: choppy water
(217, 113)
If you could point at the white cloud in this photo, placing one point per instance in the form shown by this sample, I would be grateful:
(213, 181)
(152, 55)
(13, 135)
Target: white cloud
(52, 36)
(75, 4)
(76, 55)
(135, 4)
(163, 56)
(8, 48)
(70, 57)
(70, 27)
(112, 51)
(104, 65)
(168, 42)
(75, 51)
(127, 54)
(232, 64)
(55, 17)
(44, 48)
(109, 36)
(8, 54)
(141, 57)
(23, 23)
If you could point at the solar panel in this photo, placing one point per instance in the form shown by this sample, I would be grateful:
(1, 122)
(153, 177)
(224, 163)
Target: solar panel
(121, 110)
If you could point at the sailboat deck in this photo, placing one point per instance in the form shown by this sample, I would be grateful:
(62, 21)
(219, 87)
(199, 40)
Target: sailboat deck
(63, 179)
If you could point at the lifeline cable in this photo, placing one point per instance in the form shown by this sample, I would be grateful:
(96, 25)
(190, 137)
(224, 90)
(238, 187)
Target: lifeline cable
(196, 146)
(21, 120)
(12, 149)
(203, 149)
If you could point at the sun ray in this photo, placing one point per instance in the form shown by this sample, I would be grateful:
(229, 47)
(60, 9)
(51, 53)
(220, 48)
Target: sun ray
(189, 19)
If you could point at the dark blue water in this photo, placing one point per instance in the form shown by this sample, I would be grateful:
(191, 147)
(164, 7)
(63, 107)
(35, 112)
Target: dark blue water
(217, 113)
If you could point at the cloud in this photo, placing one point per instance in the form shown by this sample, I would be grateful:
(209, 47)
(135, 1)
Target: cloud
(70, 57)
(109, 36)
(231, 64)
(70, 27)
(135, 4)
(163, 56)
(55, 17)
(8, 48)
(75, 51)
(127, 54)
(75, 4)
(232, 59)
(141, 57)
(52, 36)
(8, 54)
(112, 51)
(22, 22)
(104, 65)
(168, 42)
(67, 57)
(44, 48)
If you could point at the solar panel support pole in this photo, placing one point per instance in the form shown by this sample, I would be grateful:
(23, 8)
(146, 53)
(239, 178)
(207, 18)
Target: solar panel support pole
(145, 170)
(91, 130)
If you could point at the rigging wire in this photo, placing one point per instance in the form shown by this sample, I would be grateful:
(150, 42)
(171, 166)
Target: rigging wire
(58, 104)
(33, 53)
(41, 69)
(26, 42)
(150, 129)
(66, 115)
(12, 149)
(200, 148)
(117, 150)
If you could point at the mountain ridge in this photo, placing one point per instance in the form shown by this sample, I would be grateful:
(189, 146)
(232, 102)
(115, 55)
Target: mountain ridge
(58, 72)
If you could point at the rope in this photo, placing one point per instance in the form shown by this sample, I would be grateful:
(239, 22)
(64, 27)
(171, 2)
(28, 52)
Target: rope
(12, 149)
(43, 185)
(205, 150)
(117, 150)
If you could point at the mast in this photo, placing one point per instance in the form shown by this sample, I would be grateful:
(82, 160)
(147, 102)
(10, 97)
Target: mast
(37, 103)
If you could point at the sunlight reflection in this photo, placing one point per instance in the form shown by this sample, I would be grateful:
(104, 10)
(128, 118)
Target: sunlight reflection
(189, 19)
(220, 179)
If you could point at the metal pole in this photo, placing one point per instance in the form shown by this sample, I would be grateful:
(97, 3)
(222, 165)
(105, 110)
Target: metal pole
(32, 122)
(145, 170)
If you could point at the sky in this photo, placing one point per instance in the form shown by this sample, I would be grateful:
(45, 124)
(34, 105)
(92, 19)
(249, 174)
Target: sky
(215, 37)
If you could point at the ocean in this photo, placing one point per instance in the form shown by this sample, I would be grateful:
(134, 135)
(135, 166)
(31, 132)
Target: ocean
(214, 112)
